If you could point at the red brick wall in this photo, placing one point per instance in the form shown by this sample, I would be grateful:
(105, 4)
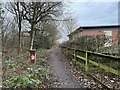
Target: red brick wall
(94, 32)
(114, 36)
(99, 31)
(89, 32)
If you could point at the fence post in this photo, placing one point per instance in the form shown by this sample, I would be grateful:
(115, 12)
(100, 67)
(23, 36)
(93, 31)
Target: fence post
(74, 56)
(65, 50)
(86, 63)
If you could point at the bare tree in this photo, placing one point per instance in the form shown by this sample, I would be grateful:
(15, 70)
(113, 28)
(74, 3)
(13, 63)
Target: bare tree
(70, 24)
(14, 8)
(1, 22)
(35, 12)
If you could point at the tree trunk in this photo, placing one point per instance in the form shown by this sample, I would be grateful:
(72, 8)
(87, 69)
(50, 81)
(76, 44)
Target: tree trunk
(19, 35)
(19, 25)
(32, 36)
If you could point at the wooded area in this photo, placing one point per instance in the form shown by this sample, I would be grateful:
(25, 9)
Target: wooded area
(37, 16)
(26, 26)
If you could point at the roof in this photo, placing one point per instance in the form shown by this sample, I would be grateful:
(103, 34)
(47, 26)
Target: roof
(92, 27)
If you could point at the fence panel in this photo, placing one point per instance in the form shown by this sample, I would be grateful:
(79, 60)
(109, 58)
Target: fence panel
(105, 68)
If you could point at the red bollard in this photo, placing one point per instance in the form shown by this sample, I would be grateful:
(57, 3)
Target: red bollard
(33, 56)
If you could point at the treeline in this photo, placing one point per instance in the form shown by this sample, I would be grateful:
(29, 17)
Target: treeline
(30, 24)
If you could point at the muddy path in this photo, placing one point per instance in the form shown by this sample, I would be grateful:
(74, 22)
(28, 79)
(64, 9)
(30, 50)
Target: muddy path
(61, 70)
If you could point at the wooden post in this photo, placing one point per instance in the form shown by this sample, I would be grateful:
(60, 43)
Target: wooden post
(86, 64)
(66, 53)
(74, 57)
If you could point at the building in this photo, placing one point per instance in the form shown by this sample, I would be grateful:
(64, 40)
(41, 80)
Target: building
(111, 31)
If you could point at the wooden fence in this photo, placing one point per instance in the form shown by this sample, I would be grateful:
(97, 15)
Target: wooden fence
(93, 61)
(73, 52)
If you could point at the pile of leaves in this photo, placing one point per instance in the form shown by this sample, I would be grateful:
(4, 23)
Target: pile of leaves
(21, 73)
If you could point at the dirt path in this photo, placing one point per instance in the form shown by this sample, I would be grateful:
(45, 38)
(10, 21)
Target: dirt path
(61, 71)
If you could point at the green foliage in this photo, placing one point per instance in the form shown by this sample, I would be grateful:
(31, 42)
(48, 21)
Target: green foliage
(38, 74)
(46, 36)
(11, 64)
(34, 77)
(90, 43)
(21, 74)
(93, 44)
(17, 81)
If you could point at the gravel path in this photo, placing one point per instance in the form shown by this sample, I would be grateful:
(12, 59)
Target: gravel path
(61, 71)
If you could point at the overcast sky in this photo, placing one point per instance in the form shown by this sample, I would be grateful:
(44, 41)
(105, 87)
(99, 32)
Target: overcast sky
(95, 13)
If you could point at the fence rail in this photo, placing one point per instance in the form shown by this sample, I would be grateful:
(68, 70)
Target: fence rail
(87, 60)
(102, 62)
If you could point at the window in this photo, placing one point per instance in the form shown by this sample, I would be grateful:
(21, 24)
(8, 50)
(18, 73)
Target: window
(108, 35)
(81, 33)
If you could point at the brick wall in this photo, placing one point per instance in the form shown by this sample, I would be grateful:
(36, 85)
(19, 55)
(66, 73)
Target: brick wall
(113, 46)
(94, 32)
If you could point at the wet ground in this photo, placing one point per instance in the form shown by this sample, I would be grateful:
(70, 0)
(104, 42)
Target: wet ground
(61, 71)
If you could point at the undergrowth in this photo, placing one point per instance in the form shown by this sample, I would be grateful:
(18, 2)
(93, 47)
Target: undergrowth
(18, 72)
